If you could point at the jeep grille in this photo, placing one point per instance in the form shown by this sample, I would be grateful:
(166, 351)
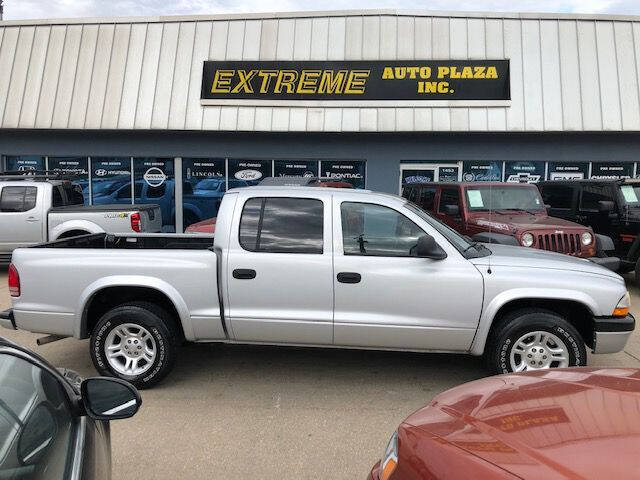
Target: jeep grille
(560, 242)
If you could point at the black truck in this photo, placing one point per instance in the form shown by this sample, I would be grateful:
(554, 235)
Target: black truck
(610, 207)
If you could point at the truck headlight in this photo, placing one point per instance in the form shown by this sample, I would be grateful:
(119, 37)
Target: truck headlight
(390, 458)
(527, 240)
(586, 238)
(623, 306)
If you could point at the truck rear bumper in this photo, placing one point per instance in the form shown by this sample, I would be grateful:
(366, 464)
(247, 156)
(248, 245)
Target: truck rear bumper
(611, 333)
(6, 319)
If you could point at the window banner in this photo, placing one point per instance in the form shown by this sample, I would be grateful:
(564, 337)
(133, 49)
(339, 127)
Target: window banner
(568, 171)
(524, 172)
(295, 168)
(351, 171)
(611, 170)
(482, 172)
(250, 171)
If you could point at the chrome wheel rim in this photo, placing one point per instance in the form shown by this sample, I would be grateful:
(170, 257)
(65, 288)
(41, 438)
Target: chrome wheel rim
(130, 349)
(538, 350)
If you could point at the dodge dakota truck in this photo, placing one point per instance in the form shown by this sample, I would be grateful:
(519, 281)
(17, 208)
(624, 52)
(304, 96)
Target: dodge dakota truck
(38, 208)
(316, 267)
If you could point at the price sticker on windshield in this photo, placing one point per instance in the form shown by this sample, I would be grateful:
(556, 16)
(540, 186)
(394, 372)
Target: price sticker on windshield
(629, 194)
(475, 198)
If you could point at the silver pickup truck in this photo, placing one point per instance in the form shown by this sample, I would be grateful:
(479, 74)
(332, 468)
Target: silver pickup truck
(40, 208)
(317, 267)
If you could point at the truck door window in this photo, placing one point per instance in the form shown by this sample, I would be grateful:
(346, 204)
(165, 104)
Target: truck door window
(375, 230)
(558, 196)
(427, 199)
(58, 198)
(592, 194)
(282, 225)
(449, 196)
(18, 199)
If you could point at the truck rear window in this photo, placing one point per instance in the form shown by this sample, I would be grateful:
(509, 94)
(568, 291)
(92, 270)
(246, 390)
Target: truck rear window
(282, 225)
(18, 199)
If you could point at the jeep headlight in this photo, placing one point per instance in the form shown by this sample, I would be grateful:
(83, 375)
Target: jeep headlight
(390, 458)
(586, 238)
(527, 240)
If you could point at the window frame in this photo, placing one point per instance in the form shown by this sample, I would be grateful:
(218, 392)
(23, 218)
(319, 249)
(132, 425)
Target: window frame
(25, 187)
(572, 196)
(260, 221)
(440, 204)
(606, 188)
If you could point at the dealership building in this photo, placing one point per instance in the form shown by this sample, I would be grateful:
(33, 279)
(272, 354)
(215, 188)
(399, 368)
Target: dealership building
(174, 110)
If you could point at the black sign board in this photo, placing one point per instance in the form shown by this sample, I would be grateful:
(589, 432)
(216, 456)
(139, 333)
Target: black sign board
(351, 171)
(356, 80)
(482, 172)
(524, 172)
(448, 174)
(568, 171)
(251, 171)
(70, 165)
(295, 168)
(611, 170)
(24, 163)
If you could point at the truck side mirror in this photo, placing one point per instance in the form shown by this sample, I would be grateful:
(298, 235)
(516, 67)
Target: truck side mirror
(605, 206)
(428, 248)
(452, 210)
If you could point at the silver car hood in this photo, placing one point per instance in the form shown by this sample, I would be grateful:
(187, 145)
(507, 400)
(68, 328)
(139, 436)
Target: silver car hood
(511, 256)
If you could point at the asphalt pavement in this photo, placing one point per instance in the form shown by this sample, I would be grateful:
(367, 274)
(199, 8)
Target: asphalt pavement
(273, 412)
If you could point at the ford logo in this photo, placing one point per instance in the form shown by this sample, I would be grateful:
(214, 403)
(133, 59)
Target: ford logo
(248, 175)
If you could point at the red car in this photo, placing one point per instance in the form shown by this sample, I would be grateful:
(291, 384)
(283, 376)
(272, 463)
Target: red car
(573, 423)
(209, 225)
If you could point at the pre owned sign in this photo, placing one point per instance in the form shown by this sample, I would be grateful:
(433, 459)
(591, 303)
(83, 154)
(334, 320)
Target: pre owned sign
(357, 80)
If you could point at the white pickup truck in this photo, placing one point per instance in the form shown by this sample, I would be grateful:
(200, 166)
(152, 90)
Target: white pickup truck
(317, 267)
(40, 208)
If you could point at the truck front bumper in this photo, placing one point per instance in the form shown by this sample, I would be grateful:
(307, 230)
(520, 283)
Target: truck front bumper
(611, 333)
(7, 320)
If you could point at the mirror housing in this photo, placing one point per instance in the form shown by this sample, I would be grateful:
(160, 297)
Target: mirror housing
(605, 206)
(452, 210)
(109, 398)
(428, 248)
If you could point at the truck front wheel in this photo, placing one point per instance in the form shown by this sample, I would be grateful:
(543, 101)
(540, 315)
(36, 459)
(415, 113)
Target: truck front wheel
(136, 342)
(534, 339)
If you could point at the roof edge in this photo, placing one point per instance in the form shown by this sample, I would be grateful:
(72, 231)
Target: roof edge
(334, 13)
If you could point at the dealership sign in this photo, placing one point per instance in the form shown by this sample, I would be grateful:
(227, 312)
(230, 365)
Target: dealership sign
(410, 80)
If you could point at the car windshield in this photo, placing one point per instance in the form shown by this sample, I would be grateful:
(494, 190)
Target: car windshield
(521, 198)
(210, 184)
(631, 194)
(106, 187)
(464, 246)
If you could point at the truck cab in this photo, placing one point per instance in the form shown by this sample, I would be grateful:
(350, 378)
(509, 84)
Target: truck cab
(506, 213)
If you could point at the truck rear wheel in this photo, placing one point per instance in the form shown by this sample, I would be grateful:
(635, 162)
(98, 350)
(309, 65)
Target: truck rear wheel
(137, 342)
(534, 339)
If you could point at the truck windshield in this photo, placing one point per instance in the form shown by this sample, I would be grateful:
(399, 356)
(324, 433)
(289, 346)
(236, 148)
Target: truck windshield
(464, 246)
(631, 195)
(485, 198)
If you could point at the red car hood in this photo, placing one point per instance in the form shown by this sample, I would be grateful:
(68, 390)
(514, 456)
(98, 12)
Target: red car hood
(526, 222)
(205, 226)
(565, 423)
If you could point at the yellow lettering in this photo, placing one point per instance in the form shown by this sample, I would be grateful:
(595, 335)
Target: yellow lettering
(387, 73)
(425, 72)
(266, 75)
(492, 72)
(467, 72)
(308, 81)
(454, 73)
(332, 82)
(400, 72)
(429, 87)
(443, 72)
(478, 72)
(286, 79)
(222, 81)
(356, 82)
(443, 87)
(413, 72)
(245, 81)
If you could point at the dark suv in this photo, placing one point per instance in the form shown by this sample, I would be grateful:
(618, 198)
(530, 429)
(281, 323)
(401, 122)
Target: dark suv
(609, 207)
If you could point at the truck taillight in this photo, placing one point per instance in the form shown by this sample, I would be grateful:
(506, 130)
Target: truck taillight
(14, 281)
(135, 222)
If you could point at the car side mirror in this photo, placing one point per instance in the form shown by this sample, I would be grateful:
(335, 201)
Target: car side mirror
(605, 206)
(38, 433)
(109, 398)
(428, 248)
(547, 206)
(452, 210)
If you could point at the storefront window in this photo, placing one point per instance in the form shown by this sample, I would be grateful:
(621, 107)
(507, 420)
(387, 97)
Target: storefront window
(155, 183)
(295, 168)
(448, 174)
(611, 170)
(418, 176)
(524, 172)
(204, 184)
(249, 171)
(110, 180)
(78, 167)
(482, 171)
(24, 163)
(568, 171)
(351, 171)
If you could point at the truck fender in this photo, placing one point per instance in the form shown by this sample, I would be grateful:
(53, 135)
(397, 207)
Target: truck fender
(604, 243)
(74, 225)
(493, 237)
(490, 311)
(134, 281)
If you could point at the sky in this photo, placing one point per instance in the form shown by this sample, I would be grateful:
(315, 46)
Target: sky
(27, 9)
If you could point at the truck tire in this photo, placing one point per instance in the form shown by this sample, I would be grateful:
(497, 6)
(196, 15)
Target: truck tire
(534, 339)
(137, 342)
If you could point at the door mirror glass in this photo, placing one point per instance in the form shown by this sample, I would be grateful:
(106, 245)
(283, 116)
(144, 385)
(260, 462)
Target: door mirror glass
(37, 435)
(109, 398)
(605, 206)
(452, 210)
(428, 248)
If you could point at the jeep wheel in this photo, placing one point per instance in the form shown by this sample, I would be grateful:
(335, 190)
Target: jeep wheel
(136, 342)
(534, 339)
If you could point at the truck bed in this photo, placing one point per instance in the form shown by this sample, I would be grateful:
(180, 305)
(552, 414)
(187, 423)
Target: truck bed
(138, 241)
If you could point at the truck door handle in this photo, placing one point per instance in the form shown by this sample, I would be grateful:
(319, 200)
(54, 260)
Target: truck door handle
(32, 219)
(349, 277)
(244, 274)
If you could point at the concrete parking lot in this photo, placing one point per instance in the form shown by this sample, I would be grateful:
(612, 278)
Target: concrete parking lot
(262, 412)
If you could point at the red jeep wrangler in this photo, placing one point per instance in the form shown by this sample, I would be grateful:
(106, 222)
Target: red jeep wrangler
(510, 214)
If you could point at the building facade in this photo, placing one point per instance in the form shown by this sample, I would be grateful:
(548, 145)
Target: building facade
(174, 110)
